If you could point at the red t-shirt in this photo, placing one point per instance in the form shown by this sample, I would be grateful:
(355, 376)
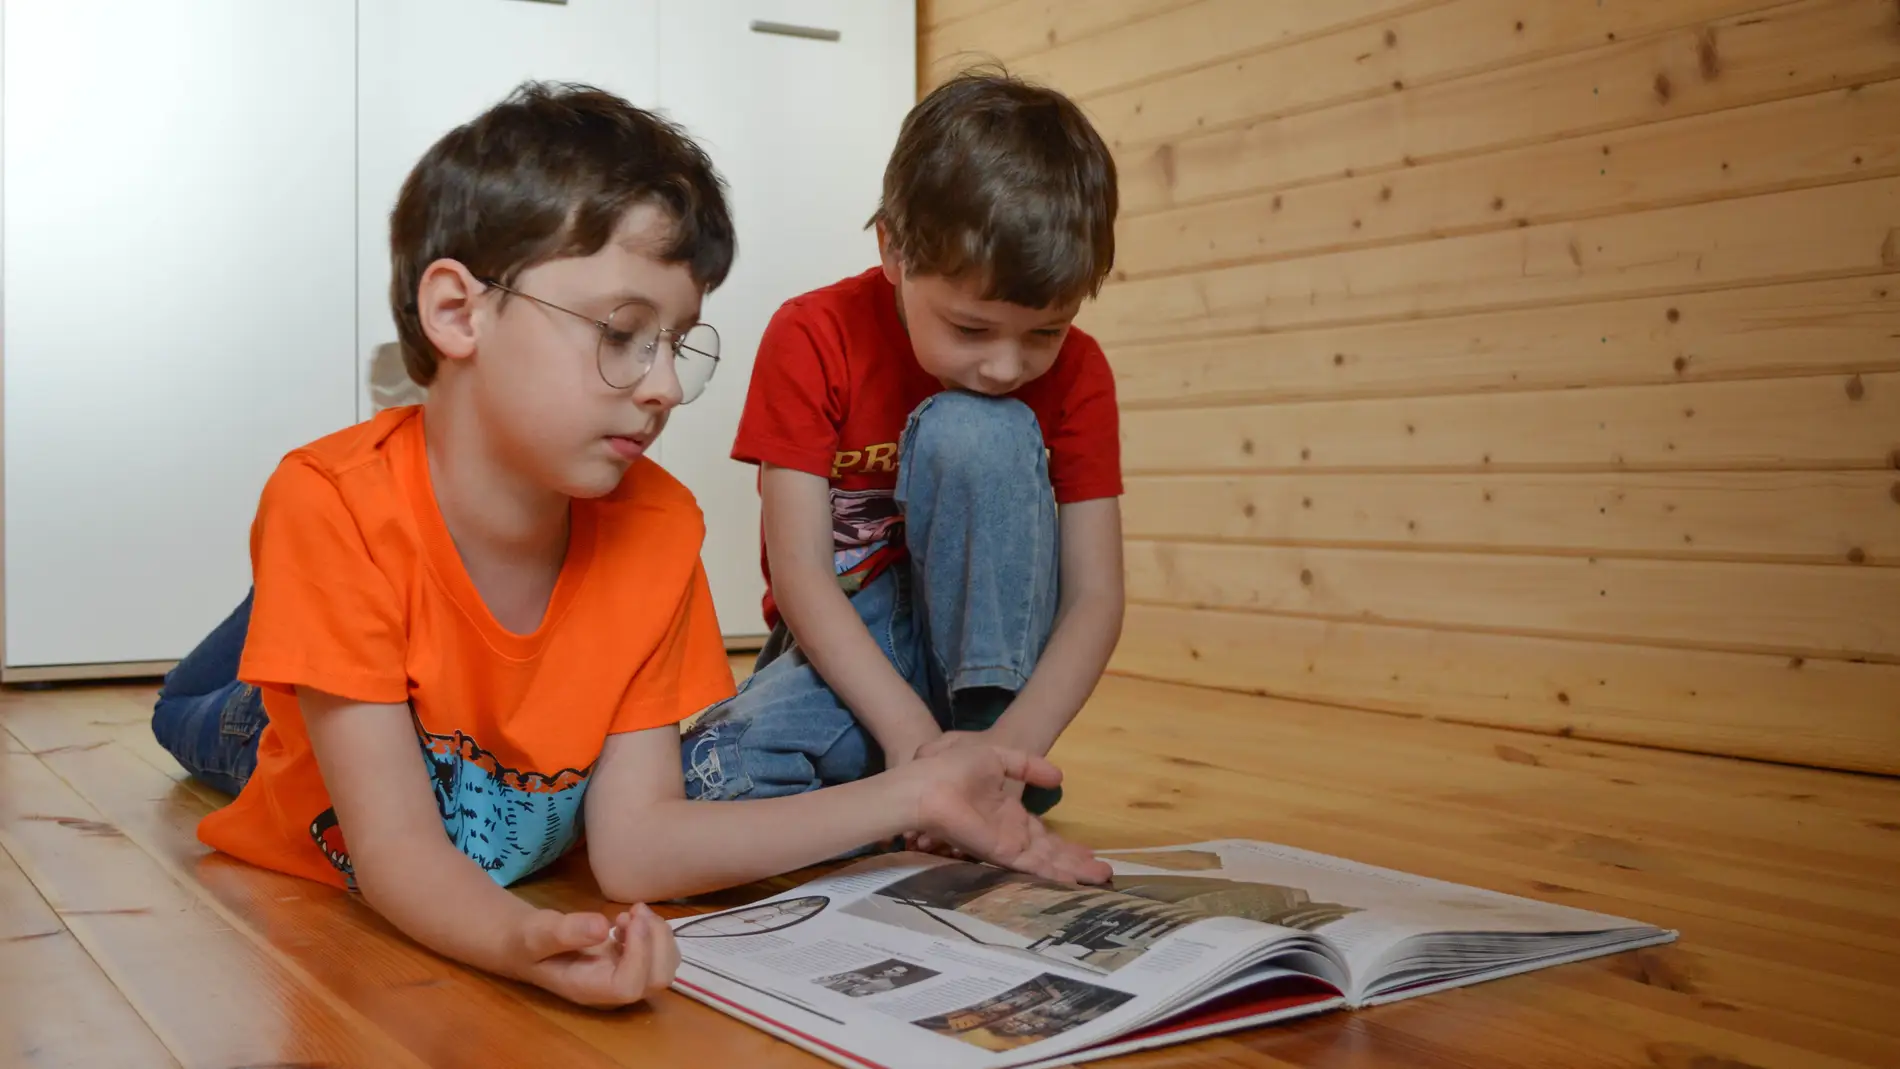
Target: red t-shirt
(835, 381)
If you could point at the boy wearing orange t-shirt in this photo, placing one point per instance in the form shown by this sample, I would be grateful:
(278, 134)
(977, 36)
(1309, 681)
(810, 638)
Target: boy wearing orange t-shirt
(499, 583)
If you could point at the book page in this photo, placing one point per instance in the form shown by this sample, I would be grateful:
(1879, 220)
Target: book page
(922, 961)
(1368, 913)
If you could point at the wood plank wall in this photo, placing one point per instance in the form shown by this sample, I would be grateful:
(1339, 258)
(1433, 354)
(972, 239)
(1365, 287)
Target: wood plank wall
(1521, 362)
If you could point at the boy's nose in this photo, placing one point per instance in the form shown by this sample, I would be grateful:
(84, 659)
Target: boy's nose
(660, 386)
(1003, 371)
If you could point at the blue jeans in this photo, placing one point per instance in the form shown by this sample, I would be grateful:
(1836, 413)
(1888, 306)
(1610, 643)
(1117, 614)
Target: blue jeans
(207, 719)
(969, 616)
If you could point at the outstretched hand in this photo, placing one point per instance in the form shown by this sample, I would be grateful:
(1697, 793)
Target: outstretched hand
(583, 959)
(970, 797)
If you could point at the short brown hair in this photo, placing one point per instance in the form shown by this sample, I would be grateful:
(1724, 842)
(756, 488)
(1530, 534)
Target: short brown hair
(548, 173)
(998, 179)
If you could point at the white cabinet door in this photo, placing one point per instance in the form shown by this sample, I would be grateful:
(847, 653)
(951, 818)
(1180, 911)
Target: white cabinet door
(801, 128)
(179, 244)
(427, 66)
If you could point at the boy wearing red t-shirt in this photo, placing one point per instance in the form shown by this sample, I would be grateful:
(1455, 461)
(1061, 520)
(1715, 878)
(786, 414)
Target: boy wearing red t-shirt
(478, 622)
(940, 465)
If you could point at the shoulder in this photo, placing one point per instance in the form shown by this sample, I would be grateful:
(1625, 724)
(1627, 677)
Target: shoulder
(836, 310)
(1080, 347)
(847, 295)
(652, 504)
(1081, 368)
(316, 475)
(649, 533)
(360, 445)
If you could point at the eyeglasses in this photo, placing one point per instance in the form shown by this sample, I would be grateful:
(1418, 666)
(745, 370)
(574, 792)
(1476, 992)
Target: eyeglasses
(630, 339)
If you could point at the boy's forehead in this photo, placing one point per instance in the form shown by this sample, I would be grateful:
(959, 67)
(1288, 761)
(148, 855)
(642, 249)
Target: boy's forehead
(969, 294)
(645, 230)
(631, 266)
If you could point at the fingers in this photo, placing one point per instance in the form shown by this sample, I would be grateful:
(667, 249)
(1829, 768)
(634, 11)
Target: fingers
(633, 963)
(1046, 854)
(1028, 768)
(647, 956)
(1080, 865)
(1072, 862)
(550, 933)
(665, 954)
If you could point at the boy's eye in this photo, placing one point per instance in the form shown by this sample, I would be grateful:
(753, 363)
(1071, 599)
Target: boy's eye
(970, 332)
(619, 339)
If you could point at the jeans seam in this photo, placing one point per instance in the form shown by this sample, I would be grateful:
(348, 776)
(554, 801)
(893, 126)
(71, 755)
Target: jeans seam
(229, 724)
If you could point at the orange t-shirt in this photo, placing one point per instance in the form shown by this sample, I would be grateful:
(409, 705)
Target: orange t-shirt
(360, 593)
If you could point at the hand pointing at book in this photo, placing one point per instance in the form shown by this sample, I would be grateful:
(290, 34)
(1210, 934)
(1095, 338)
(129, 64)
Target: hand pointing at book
(970, 797)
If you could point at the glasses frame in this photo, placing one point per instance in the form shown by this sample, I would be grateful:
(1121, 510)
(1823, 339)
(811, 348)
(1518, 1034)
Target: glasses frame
(650, 351)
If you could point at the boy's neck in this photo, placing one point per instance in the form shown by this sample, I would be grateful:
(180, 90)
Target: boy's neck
(511, 534)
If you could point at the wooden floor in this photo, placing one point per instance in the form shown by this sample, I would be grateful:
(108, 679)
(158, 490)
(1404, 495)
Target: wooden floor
(123, 943)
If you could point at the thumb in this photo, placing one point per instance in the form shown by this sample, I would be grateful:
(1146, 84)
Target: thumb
(551, 932)
(1028, 768)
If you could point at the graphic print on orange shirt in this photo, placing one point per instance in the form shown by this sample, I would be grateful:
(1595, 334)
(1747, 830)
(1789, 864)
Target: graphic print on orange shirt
(509, 822)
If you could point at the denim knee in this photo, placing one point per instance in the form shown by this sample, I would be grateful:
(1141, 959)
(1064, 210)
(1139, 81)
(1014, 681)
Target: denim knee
(213, 736)
(967, 436)
(784, 733)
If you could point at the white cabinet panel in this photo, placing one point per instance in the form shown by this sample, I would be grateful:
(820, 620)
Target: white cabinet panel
(178, 230)
(194, 260)
(801, 129)
(426, 67)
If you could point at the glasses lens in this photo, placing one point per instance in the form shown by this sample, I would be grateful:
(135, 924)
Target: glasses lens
(626, 346)
(698, 359)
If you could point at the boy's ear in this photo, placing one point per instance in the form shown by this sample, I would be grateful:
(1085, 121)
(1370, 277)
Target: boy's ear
(445, 305)
(887, 255)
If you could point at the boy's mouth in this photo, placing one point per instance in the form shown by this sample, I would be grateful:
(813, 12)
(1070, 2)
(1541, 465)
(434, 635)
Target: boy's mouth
(629, 446)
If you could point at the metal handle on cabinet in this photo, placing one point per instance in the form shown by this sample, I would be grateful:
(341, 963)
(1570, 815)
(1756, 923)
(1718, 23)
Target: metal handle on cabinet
(787, 29)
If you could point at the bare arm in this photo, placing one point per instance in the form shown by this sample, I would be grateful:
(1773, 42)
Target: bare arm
(646, 842)
(408, 871)
(1088, 625)
(797, 509)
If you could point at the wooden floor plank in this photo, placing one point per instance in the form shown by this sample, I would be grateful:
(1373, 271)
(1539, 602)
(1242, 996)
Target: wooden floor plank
(212, 995)
(1779, 878)
(440, 1011)
(57, 1009)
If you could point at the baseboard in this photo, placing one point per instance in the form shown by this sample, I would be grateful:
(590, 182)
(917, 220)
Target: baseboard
(93, 673)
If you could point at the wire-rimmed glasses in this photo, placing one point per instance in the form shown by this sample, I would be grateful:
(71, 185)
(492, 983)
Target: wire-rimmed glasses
(630, 339)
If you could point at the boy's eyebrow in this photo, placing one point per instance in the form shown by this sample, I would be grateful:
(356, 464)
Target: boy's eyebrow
(975, 320)
(620, 297)
(615, 300)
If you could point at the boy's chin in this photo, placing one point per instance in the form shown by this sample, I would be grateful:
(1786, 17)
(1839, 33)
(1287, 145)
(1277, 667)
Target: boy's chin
(595, 478)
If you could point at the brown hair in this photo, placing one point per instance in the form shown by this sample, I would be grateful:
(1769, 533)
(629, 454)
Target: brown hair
(1005, 181)
(548, 173)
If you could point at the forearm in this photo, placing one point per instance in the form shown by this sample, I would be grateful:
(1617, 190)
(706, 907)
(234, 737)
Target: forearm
(1067, 672)
(852, 664)
(677, 848)
(441, 899)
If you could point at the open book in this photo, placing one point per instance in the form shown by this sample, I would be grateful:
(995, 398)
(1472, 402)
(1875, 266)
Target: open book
(911, 961)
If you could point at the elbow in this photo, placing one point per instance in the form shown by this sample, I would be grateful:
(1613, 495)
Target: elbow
(623, 888)
(632, 887)
(624, 875)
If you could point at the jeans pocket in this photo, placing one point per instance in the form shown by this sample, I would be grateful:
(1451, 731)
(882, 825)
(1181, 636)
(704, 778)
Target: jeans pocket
(710, 761)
